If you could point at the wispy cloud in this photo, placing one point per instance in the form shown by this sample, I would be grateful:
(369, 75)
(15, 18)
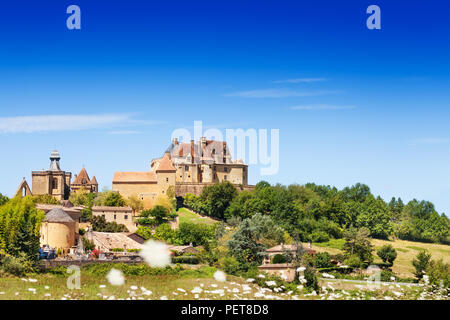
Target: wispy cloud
(300, 80)
(45, 123)
(279, 93)
(322, 107)
(431, 141)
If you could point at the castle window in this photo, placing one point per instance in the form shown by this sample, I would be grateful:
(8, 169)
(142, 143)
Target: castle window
(126, 217)
(103, 215)
(225, 169)
(225, 177)
(167, 179)
(186, 168)
(115, 217)
(55, 183)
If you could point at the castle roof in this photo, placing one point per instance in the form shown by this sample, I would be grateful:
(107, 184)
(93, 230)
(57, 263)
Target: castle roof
(94, 180)
(165, 164)
(83, 175)
(57, 215)
(146, 176)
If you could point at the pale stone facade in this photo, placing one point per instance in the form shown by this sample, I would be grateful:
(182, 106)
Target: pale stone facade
(188, 167)
(56, 182)
(119, 215)
(58, 230)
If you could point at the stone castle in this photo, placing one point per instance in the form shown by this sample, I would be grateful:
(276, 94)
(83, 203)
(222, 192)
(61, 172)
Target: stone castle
(56, 182)
(187, 167)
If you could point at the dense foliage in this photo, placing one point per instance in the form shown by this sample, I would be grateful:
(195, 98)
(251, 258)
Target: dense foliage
(387, 253)
(319, 213)
(99, 224)
(19, 228)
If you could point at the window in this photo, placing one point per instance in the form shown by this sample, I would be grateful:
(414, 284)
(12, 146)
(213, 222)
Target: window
(115, 217)
(103, 215)
(126, 217)
(55, 183)
(186, 168)
(225, 177)
(225, 169)
(167, 179)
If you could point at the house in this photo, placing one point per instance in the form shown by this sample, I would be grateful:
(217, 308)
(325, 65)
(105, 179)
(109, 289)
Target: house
(180, 250)
(284, 270)
(119, 215)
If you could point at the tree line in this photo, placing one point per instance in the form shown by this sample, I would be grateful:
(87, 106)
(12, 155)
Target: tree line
(318, 213)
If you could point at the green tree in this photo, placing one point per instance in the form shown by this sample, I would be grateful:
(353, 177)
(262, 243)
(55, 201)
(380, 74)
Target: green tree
(357, 242)
(3, 199)
(218, 197)
(19, 228)
(376, 217)
(247, 243)
(421, 263)
(387, 253)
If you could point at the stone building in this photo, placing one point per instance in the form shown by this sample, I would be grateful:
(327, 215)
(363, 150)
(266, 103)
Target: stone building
(188, 167)
(82, 182)
(119, 215)
(58, 230)
(53, 181)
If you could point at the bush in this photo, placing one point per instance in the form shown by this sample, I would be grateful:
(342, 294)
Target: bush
(229, 265)
(420, 263)
(88, 245)
(17, 266)
(388, 254)
(323, 260)
(312, 283)
(319, 236)
(117, 249)
(279, 258)
(353, 261)
(439, 273)
(188, 259)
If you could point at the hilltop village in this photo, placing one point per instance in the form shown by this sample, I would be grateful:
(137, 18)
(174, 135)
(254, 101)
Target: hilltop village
(183, 168)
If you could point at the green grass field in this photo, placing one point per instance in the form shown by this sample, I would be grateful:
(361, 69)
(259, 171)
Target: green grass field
(187, 215)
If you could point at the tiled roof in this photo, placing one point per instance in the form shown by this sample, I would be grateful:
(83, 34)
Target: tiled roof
(105, 208)
(109, 241)
(166, 164)
(82, 175)
(94, 180)
(57, 215)
(146, 176)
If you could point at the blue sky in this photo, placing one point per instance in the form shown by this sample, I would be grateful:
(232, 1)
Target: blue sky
(352, 104)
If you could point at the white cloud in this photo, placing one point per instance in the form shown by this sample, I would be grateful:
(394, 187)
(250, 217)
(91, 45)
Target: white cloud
(45, 123)
(300, 80)
(321, 107)
(279, 93)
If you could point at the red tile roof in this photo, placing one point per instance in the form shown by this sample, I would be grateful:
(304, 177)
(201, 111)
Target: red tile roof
(82, 175)
(166, 164)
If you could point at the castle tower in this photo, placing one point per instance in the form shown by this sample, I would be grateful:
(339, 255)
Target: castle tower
(54, 181)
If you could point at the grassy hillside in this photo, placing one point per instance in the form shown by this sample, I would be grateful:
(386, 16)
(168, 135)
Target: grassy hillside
(188, 216)
(406, 251)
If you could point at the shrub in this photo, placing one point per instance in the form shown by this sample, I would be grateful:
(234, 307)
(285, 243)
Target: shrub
(81, 231)
(117, 249)
(323, 260)
(420, 263)
(353, 261)
(229, 265)
(439, 273)
(279, 258)
(312, 283)
(188, 259)
(319, 236)
(386, 275)
(388, 254)
(88, 245)
(17, 266)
